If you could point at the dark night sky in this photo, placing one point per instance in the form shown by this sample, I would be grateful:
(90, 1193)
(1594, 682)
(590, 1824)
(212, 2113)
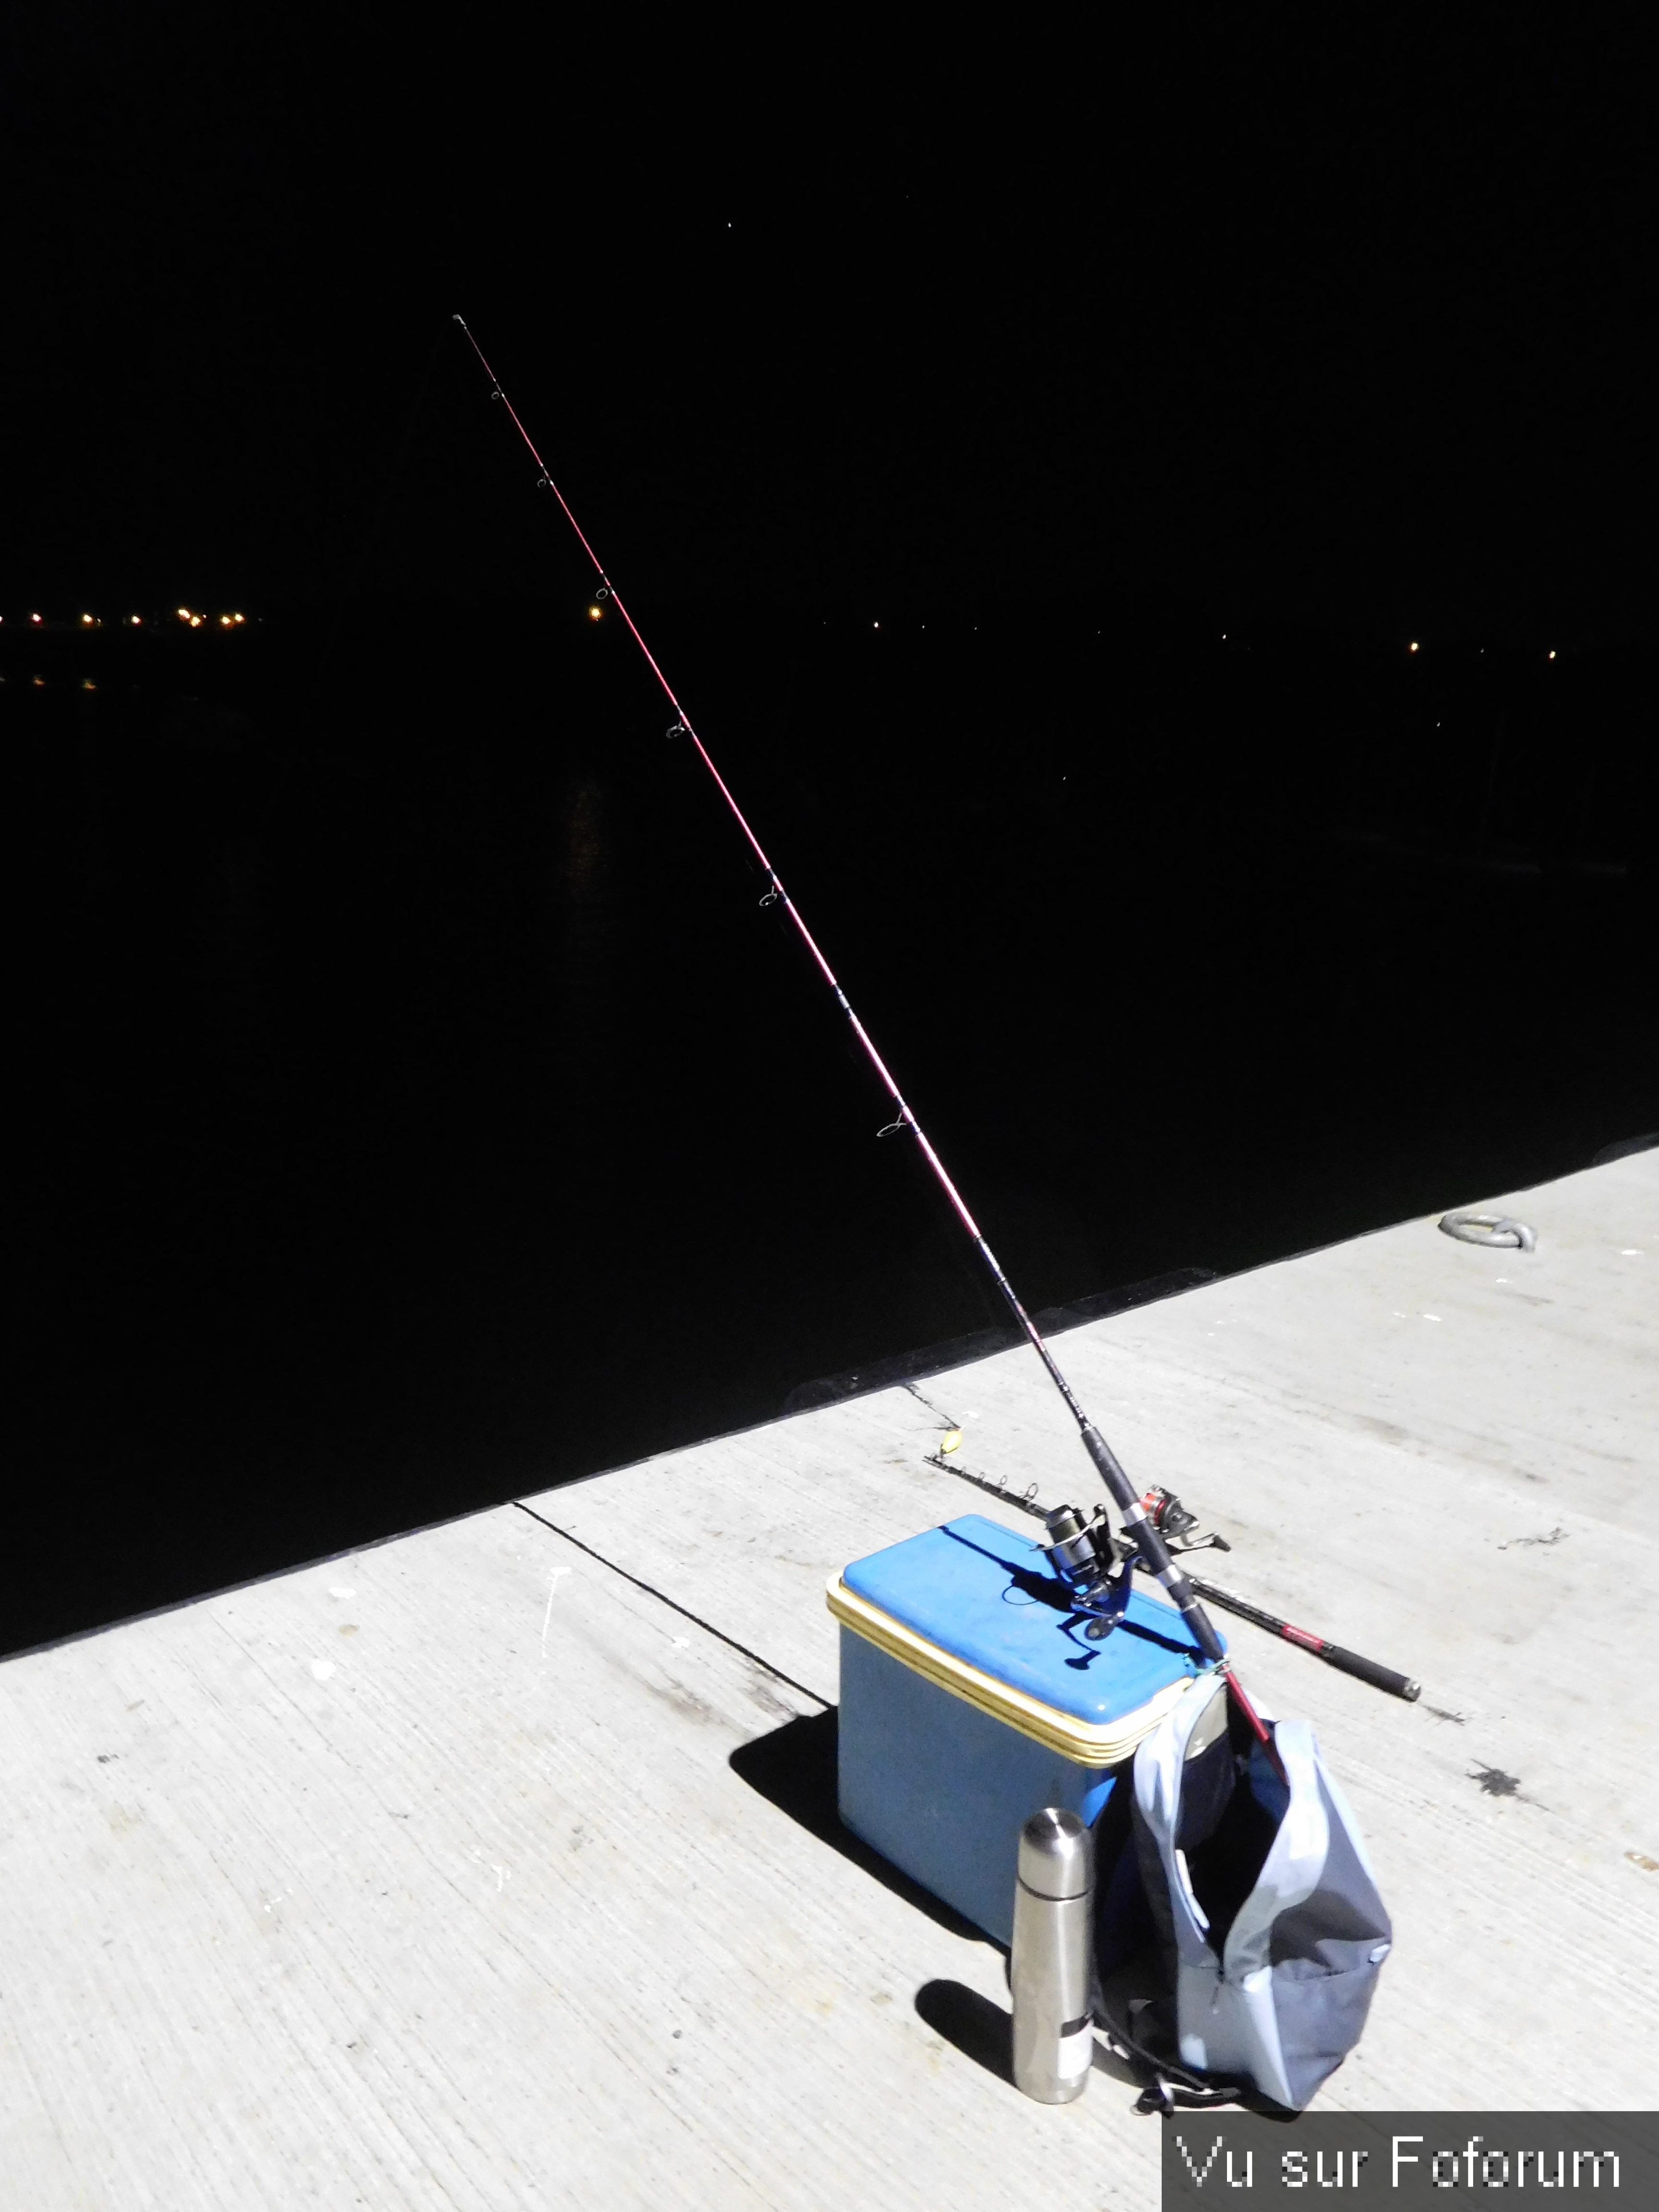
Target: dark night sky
(404, 1047)
(1245, 313)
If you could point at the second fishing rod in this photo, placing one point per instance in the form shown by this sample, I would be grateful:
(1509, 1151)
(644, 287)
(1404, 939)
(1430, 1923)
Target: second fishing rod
(1082, 1557)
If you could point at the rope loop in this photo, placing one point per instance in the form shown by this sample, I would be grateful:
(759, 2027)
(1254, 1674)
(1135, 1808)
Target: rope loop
(1489, 1229)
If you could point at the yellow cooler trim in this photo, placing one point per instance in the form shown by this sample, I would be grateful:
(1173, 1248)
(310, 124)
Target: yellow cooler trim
(1090, 1743)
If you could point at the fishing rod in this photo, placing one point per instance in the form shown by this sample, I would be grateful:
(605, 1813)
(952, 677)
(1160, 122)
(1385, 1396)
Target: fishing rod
(1066, 1552)
(1166, 1510)
(1333, 1654)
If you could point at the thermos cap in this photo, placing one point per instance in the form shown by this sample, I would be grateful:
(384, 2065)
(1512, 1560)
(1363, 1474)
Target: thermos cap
(1056, 1855)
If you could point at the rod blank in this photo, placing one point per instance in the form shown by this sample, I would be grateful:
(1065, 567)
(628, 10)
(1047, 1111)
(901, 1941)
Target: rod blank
(1122, 1491)
(1333, 1654)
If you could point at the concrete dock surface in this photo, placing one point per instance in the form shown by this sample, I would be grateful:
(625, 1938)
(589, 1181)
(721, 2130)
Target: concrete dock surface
(496, 1865)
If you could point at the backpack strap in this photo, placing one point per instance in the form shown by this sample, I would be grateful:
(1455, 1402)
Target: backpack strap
(1164, 2085)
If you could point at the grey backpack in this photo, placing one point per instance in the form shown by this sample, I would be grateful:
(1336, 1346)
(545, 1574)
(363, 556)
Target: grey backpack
(1264, 1903)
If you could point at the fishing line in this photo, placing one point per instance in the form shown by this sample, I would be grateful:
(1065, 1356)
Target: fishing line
(1149, 1541)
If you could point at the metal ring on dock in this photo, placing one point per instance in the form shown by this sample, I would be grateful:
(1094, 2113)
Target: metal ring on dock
(1489, 1229)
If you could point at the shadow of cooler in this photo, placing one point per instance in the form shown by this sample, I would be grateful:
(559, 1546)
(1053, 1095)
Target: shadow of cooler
(972, 1694)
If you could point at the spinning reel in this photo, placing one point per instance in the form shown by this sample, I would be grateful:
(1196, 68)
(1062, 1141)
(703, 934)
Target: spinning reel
(1097, 1568)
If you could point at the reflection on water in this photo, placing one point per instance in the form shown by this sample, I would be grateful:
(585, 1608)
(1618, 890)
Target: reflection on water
(421, 1107)
(592, 945)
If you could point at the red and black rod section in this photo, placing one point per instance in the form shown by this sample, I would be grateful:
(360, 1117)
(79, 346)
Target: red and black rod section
(1367, 1670)
(1147, 1538)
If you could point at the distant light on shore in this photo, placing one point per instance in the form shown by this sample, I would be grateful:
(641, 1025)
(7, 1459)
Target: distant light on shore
(1412, 647)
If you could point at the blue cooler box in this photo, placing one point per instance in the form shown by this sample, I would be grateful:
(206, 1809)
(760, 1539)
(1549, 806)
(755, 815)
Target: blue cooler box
(971, 1696)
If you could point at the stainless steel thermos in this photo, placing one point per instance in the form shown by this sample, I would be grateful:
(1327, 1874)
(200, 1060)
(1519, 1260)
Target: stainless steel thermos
(1053, 1912)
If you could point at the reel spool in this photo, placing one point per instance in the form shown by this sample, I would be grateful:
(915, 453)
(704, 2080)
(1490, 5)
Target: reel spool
(1098, 1567)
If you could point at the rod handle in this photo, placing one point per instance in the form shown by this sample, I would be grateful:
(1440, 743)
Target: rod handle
(1365, 1670)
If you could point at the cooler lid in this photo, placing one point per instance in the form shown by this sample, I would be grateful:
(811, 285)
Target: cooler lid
(978, 1608)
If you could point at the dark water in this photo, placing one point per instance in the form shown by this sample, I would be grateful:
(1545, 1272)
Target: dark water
(419, 1108)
